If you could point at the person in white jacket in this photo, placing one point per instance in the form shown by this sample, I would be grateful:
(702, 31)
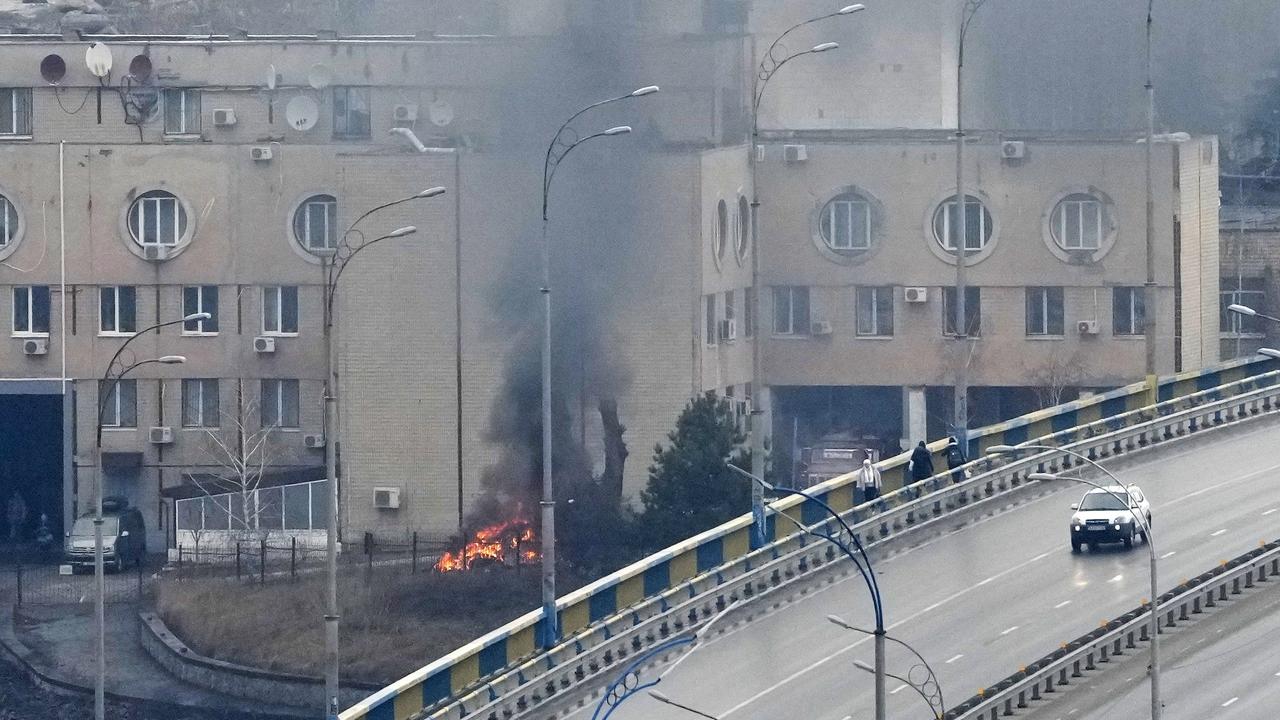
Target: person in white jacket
(869, 480)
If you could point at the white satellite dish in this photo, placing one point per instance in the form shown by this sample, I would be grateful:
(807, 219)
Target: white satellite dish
(271, 77)
(440, 112)
(302, 113)
(98, 59)
(320, 76)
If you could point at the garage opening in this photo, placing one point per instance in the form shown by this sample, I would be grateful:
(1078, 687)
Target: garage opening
(31, 464)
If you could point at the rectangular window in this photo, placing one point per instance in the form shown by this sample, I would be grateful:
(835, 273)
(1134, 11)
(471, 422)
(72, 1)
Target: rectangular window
(1128, 311)
(351, 112)
(15, 112)
(117, 308)
(875, 311)
(182, 111)
(790, 310)
(972, 311)
(280, 404)
(200, 404)
(1044, 311)
(847, 223)
(1078, 223)
(749, 312)
(31, 310)
(280, 310)
(1250, 292)
(710, 304)
(120, 406)
(198, 299)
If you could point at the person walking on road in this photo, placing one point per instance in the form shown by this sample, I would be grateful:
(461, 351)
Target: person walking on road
(921, 463)
(869, 480)
(955, 459)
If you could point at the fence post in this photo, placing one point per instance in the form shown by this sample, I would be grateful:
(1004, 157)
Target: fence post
(141, 561)
(368, 551)
(237, 560)
(179, 560)
(293, 556)
(262, 565)
(414, 569)
(18, 565)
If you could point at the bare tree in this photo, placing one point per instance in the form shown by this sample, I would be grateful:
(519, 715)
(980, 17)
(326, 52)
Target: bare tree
(237, 456)
(1054, 378)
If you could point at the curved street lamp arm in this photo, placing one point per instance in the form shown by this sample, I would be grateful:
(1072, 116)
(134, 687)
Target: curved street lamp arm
(971, 8)
(1137, 515)
(548, 165)
(864, 572)
(765, 75)
(333, 284)
(612, 699)
(774, 45)
(559, 157)
(114, 363)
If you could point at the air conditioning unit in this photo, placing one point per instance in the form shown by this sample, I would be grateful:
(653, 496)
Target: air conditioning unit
(160, 435)
(224, 118)
(1087, 327)
(406, 113)
(820, 327)
(313, 441)
(1013, 149)
(386, 498)
(728, 330)
(264, 344)
(795, 153)
(260, 153)
(915, 294)
(35, 346)
(155, 252)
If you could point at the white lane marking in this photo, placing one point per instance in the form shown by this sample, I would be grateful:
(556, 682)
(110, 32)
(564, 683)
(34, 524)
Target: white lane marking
(1272, 510)
(1169, 554)
(1117, 578)
(1217, 533)
(957, 657)
(850, 647)
(1210, 488)
(1277, 674)
(984, 582)
(1062, 604)
(897, 690)
(1009, 630)
(1230, 702)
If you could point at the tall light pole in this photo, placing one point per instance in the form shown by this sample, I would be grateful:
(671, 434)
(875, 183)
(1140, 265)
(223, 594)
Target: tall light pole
(1156, 707)
(1149, 299)
(960, 238)
(562, 143)
(860, 561)
(116, 370)
(333, 265)
(774, 58)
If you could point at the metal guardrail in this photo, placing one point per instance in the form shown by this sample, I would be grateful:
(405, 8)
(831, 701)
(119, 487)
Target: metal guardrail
(533, 682)
(1055, 671)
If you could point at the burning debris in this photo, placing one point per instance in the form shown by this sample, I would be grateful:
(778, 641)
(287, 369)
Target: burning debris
(512, 541)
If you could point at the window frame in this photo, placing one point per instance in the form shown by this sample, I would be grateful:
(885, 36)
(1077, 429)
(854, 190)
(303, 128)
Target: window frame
(115, 294)
(711, 319)
(880, 296)
(201, 305)
(742, 239)
(280, 408)
(184, 98)
(1058, 217)
(115, 421)
(986, 224)
(346, 133)
(136, 218)
(1136, 301)
(1041, 297)
(791, 295)
(19, 119)
(280, 294)
(31, 314)
(1242, 296)
(827, 223)
(974, 308)
(303, 212)
(208, 414)
(10, 223)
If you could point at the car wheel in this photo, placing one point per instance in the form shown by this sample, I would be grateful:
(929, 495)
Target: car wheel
(1128, 540)
(1075, 547)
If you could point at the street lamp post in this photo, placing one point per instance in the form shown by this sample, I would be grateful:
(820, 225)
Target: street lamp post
(111, 378)
(960, 238)
(562, 143)
(1156, 707)
(1149, 289)
(767, 67)
(333, 264)
(930, 689)
(860, 560)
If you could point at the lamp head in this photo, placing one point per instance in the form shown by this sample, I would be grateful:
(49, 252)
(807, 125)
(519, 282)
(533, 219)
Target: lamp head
(620, 130)
(647, 90)
(1272, 353)
(839, 621)
(171, 359)
(851, 9)
(825, 47)
(193, 317)
(1242, 310)
(660, 697)
(401, 232)
(1042, 477)
(863, 666)
(431, 192)
(1002, 450)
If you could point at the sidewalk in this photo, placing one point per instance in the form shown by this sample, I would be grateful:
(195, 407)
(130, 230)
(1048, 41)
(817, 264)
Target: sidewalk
(55, 643)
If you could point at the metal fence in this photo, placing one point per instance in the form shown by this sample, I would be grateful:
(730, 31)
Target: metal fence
(33, 577)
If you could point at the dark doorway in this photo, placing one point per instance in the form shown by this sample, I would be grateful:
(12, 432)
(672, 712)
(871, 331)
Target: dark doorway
(31, 461)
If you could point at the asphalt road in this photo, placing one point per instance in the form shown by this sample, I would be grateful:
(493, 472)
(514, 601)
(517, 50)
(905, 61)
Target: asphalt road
(983, 600)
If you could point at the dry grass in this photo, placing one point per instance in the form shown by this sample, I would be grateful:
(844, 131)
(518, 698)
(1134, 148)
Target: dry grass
(391, 625)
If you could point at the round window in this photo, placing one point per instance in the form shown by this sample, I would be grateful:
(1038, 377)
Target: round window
(977, 221)
(315, 224)
(719, 233)
(845, 223)
(742, 241)
(8, 222)
(157, 219)
(1079, 222)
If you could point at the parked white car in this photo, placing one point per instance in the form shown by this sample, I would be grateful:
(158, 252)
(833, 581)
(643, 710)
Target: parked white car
(1102, 517)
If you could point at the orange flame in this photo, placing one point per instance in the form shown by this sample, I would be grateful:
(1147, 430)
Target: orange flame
(492, 544)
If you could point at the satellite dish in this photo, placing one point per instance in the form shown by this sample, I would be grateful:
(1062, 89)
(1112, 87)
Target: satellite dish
(440, 112)
(320, 77)
(140, 68)
(53, 68)
(98, 59)
(271, 77)
(302, 113)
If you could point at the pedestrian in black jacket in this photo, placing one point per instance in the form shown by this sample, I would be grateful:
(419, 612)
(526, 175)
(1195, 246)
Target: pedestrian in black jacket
(955, 459)
(921, 463)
